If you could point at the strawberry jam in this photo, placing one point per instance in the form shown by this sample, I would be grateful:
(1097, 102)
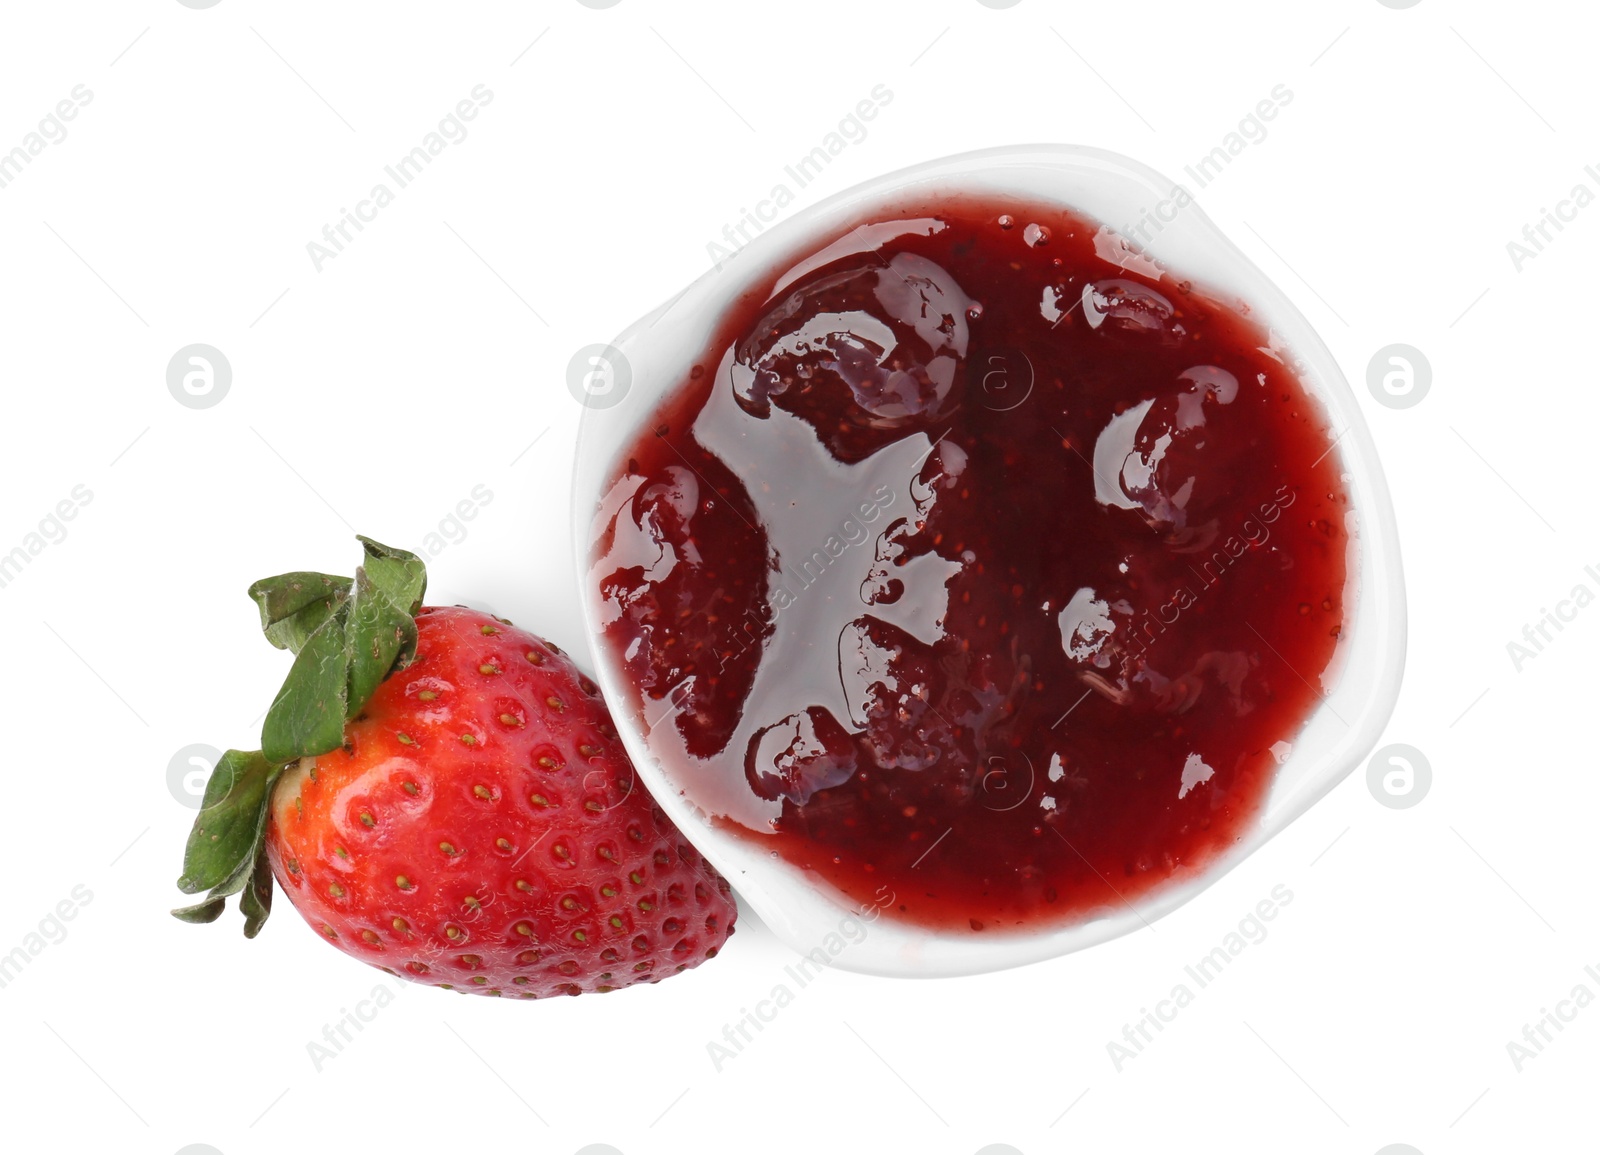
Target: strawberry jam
(980, 558)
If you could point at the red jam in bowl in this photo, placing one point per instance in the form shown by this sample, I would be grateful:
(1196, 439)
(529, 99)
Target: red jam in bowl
(980, 559)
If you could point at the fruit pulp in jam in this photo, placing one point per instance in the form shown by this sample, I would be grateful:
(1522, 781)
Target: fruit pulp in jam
(978, 558)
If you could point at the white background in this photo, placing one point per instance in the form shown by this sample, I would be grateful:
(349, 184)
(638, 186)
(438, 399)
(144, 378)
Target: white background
(423, 361)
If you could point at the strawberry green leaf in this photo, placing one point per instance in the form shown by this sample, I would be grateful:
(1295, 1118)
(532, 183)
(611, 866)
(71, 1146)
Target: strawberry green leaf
(347, 637)
(235, 882)
(307, 718)
(379, 633)
(364, 631)
(228, 830)
(400, 574)
(255, 901)
(208, 911)
(293, 605)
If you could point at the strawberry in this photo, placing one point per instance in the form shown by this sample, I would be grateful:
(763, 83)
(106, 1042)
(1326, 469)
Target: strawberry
(444, 796)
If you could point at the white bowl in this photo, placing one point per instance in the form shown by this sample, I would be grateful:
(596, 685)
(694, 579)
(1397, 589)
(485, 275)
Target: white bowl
(1359, 688)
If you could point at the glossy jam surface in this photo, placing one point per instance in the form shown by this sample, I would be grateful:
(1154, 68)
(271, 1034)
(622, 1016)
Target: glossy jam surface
(980, 559)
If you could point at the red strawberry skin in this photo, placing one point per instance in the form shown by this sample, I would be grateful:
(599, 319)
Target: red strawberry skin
(483, 830)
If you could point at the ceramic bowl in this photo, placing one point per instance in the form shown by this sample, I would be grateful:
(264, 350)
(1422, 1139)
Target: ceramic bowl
(1359, 688)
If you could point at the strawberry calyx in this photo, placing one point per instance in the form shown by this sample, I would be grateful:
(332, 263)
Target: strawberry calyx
(347, 636)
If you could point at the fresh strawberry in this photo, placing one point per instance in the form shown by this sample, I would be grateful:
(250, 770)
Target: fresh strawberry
(444, 796)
